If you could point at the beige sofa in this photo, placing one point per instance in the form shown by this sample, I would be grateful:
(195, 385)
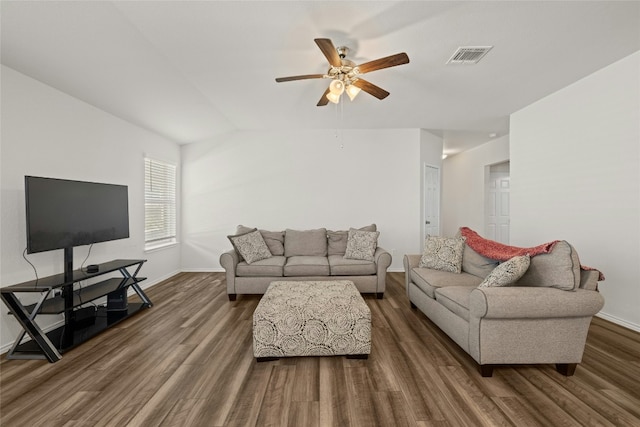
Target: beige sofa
(305, 255)
(543, 318)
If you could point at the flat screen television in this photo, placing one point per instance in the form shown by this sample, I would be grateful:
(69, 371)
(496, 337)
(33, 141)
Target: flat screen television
(62, 214)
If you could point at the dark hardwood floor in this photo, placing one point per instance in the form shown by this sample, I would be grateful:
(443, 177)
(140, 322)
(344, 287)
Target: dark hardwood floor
(188, 361)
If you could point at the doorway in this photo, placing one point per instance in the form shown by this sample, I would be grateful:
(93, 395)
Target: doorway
(431, 201)
(497, 203)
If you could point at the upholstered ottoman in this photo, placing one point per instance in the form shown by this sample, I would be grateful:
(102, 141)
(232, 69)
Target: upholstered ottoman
(311, 318)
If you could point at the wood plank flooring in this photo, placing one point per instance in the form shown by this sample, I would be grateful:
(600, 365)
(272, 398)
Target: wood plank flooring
(188, 361)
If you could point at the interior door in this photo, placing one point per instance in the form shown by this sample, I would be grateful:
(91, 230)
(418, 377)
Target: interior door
(497, 213)
(431, 215)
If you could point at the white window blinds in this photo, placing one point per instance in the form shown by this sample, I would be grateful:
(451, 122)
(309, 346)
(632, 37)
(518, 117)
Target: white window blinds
(159, 202)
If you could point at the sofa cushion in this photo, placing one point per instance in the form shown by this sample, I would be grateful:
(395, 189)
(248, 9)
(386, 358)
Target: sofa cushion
(443, 253)
(361, 244)
(429, 280)
(456, 299)
(305, 242)
(307, 266)
(559, 268)
(337, 240)
(341, 266)
(271, 267)
(273, 239)
(476, 264)
(251, 246)
(507, 273)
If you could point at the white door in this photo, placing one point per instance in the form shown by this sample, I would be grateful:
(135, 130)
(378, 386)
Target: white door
(431, 221)
(497, 213)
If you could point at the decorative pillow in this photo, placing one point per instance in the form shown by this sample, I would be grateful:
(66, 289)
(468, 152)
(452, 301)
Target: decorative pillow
(337, 240)
(507, 273)
(273, 239)
(361, 244)
(443, 253)
(251, 246)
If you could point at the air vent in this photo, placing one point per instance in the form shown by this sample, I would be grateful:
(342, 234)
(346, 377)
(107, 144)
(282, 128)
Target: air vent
(469, 54)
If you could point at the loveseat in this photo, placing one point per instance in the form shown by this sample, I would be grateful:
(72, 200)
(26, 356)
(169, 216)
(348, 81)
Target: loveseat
(305, 255)
(537, 316)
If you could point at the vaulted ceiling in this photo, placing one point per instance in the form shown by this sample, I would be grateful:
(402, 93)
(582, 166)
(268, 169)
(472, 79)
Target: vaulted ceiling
(194, 70)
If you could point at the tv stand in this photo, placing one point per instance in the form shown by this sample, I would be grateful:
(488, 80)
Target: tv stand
(80, 323)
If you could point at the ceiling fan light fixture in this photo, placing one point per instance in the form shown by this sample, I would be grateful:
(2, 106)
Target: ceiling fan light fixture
(336, 87)
(335, 98)
(352, 91)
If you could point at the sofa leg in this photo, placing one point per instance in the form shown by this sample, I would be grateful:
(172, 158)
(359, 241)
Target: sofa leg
(232, 297)
(486, 370)
(566, 369)
(380, 295)
(413, 305)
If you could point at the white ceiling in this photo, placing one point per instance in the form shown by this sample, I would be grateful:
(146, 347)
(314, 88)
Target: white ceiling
(196, 70)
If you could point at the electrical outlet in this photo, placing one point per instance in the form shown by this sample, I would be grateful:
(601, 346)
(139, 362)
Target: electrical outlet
(56, 292)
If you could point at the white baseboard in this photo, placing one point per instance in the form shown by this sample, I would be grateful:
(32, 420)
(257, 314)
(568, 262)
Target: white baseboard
(203, 270)
(148, 283)
(618, 321)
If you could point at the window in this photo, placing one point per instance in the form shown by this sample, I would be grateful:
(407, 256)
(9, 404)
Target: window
(159, 203)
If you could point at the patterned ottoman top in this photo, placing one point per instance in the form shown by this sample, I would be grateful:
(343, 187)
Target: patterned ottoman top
(311, 318)
(315, 296)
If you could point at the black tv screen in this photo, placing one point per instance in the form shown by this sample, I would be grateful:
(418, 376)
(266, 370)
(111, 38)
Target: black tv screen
(63, 213)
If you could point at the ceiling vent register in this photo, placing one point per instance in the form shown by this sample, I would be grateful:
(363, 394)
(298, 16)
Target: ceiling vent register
(469, 54)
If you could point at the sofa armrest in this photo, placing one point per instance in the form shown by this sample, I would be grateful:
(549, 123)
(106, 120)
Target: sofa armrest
(533, 302)
(229, 261)
(382, 258)
(410, 261)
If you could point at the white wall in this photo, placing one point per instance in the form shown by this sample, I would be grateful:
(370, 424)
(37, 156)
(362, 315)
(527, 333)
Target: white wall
(575, 175)
(48, 133)
(300, 180)
(463, 185)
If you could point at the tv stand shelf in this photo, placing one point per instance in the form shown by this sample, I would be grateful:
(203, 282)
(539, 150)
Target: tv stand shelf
(80, 323)
(84, 295)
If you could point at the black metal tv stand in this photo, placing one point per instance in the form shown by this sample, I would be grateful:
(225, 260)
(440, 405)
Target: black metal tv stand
(80, 324)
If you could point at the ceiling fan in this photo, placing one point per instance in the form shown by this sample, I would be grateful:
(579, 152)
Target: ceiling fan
(345, 75)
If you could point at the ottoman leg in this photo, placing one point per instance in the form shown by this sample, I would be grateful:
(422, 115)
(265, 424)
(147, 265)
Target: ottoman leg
(357, 356)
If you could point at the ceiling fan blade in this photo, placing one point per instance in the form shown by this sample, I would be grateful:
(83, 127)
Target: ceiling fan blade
(386, 62)
(371, 89)
(324, 100)
(330, 52)
(302, 77)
